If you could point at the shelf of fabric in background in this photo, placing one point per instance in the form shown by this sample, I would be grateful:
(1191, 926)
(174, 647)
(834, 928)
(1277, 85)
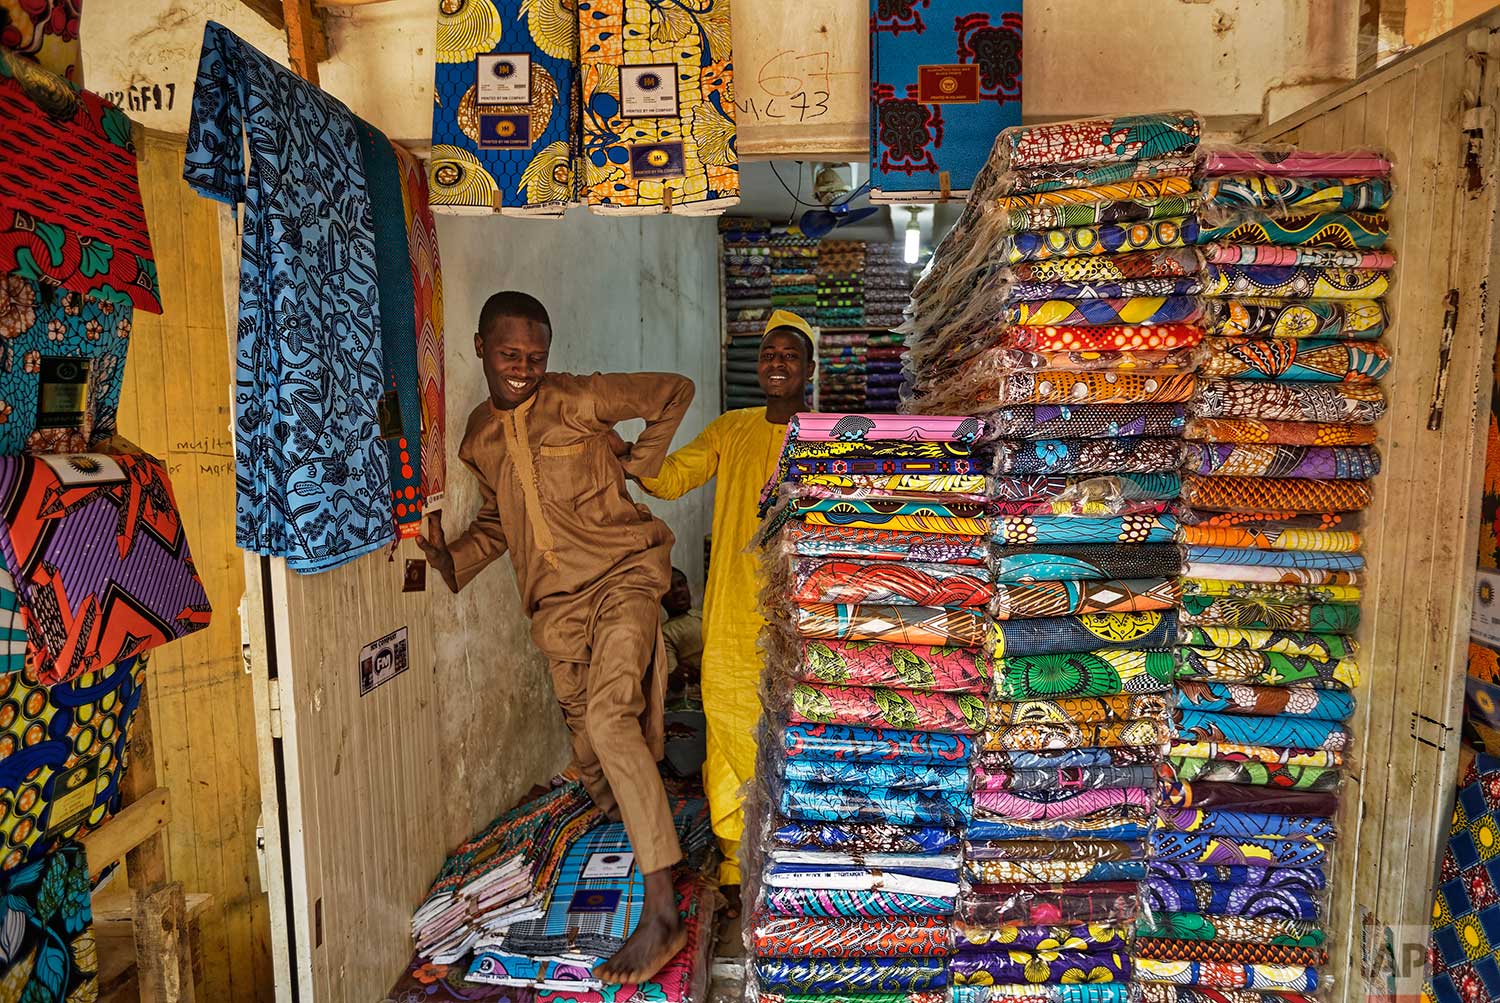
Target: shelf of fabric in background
(746, 297)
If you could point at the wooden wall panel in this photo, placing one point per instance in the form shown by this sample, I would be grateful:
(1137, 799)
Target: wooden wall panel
(176, 405)
(1420, 532)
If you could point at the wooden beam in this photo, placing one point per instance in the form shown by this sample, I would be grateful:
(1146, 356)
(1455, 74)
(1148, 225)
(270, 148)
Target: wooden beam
(270, 10)
(163, 964)
(306, 44)
(130, 827)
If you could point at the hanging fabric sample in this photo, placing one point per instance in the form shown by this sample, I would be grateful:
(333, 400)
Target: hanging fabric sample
(945, 77)
(658, 116)
(319, 496)
(70, 202)
(50, 955)
(505, 108)
(46, 31)
(427, 291)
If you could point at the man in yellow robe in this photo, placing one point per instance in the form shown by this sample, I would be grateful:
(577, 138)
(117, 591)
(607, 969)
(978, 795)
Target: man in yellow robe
(740, 448)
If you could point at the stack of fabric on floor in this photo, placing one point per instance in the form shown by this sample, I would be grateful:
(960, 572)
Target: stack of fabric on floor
(841, 264)
(841, 370)
(747, 304)
(877, 667)
(1279, 464)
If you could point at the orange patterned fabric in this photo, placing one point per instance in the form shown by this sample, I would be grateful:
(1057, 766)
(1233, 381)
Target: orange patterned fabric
(1116, 338)
(1281, 494)
(1286, 433)
(1060, 387)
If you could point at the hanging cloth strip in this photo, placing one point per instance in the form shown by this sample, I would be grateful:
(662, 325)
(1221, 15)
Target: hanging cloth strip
(318, 497)
(682, 159)
(70, 202)
(427, 290)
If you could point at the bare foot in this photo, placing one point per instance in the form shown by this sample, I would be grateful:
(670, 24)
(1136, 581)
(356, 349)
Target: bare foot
(731, 901)
(658, 936)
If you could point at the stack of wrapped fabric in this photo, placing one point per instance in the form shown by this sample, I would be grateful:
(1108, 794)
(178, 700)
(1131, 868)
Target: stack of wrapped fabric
(883, 371)
(747, 304)
(1277, 469)
(840, 285)
(841, 370)
(887, 286)
(878, 663)
(794, 275)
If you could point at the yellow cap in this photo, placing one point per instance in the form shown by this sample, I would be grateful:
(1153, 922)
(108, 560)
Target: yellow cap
(785, 318)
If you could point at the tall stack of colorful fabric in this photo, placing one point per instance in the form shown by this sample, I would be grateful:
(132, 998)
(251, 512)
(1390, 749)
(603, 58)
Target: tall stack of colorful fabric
(877, 665)
(1277, 468)
(747, 303)
(841, 370)
(841, 264)
(794, 275)
(883, 351)
(887, 286)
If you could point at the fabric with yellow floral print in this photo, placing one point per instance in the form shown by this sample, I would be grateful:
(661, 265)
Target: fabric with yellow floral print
(684, 163)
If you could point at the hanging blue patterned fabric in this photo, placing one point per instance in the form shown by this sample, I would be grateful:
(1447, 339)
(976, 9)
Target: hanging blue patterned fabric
(945, 79)
(49, 954)
(311, 472)
(401, 405)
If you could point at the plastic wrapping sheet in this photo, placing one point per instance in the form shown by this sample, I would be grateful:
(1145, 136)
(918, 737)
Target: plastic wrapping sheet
(822, 771)
(1058, 805)
(1227, 611)
(1106, 238)
(1085, 562)
(1100, 312)
(1120, 707)
(1271, 978)
(1353, 403)
(925, 667)
(882, 544)
(1011, 871)
(1325, 320)
(1319, 560)
(1312, 257)
(987, 778)
(828, 902)
(1265, 669)
(881, 707)
(925, 516)
(1233, 951)
(988, 967)
(1050, 904)
(817, 975)
(1087, 456)
(1283, 160)
(1085, 937)
(918, 625)
(1102, 672)
(908, 583)
(1248, 797)
(1122, 139)
(1283, 731)
(1275, 494)
(1245, 824)
(1053, 421)
(1286, 642)
(1363, 230)
(1237, 698)
(1017, 601)
(1285, 592)
(1355, 463)
(871, 745)
(818, 937)
(1238, 771)
(875, 837)
(1031, 992)
(1157, 992)
(1296, 359)
(1023, 531)
(1052, 735)
(847, 803)
(1252, 902)
(1149, 629)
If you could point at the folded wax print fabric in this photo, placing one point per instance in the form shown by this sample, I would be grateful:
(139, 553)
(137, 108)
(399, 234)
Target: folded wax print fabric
(1294, 282)
(917, 516)
(1150, 629)
(1286, 642)
(1055, 177)
(401, 405)
(832, 803)
(922, 667)
(64, 362)
(1246, 797)
(835, 427)
(658, 123)
(1043, 937)
(100, 559)
(1020, 871)
(595, 905)
(1280, 161)
(1041, 736)
(505, 98)
(1062, 387)
(1103, 992)
(870, 745)
(1208, 849)
(1242, 494)
(1251, 556)
(1101, 311)
(893, 624)
(1242, 824)
(1037, 299)
(427, 307)
(1358, 403)
(993, 778)
(1018, 601)
(1233, 771)
(1196, 926)
(884, 544)
(1257, 753)
(1290, 433)
(1022, 531)
(863, 877)
(1281, 902)
(1271, 614)
(1271, 576)
(822, 771)
(1263, 460)
(1049, 806)
(870, 465)
(1233, 698)
(1108, 238)
(990, 967)
(1280, 195)
(50, 954)
(835, 902)
(1363, 230)
(1117, 707)
(944, 80)
(1160, 992)
(815, 975)
(319, 496)
(1110, 338)
(1315, 257)
(59, 742)
(1049, 904)
(45, 31)
(1272, 978)
(887, 583)
(1239, 952)
(1116, 202)
(817, 937)
(70, 202)
(1054, 421)
(1266, 668)
(1302, 359)
(868, 838)
(1307, 878)
(1087, 456)
(1083, 674)
(1272, 538)
(1085, 562)
(1014, 760)
(1350, 320)
(1121, 139)
(936, 486)
(957, 713)
(913, 996)
(1279, 732)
